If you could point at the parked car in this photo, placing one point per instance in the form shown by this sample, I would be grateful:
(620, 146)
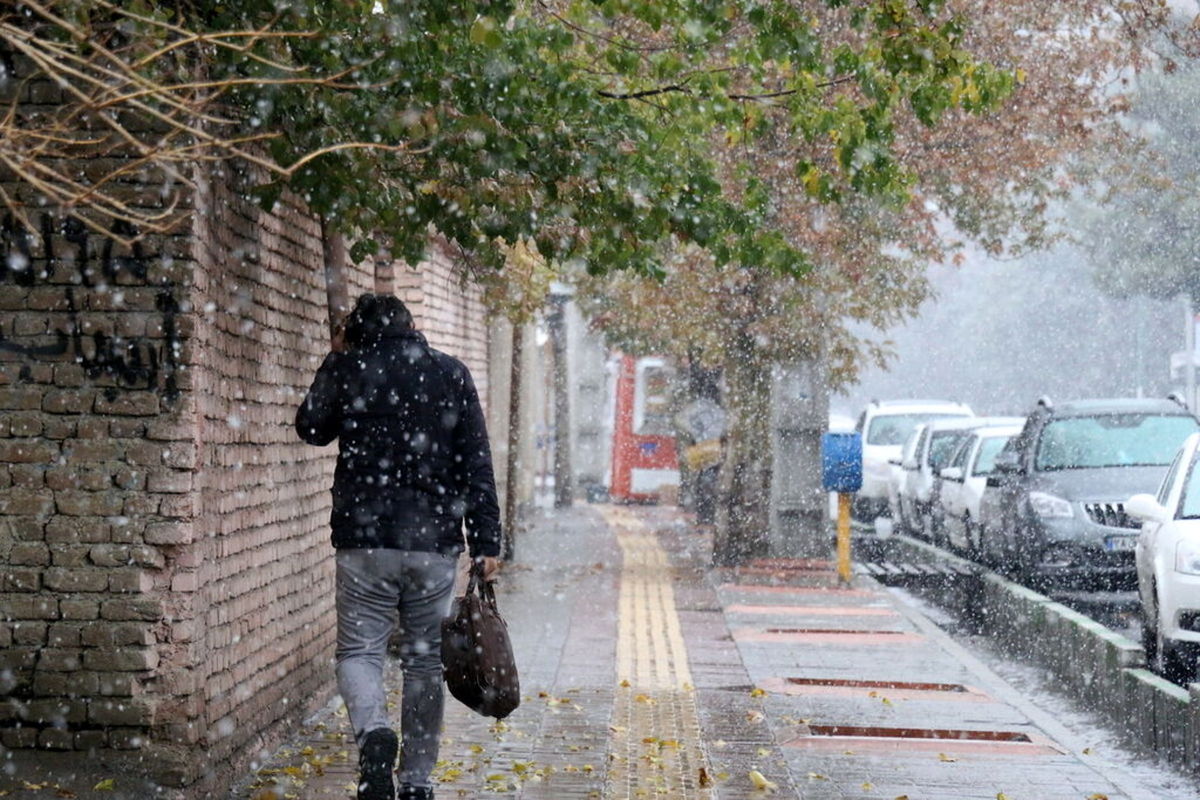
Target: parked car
(1168, 566)
(963, 482)
(936, 445)
(1058, 516)
(884, 427)
(901, 523)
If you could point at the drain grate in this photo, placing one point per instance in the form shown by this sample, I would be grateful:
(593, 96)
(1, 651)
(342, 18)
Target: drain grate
(835, 631)
(884, 685)
(940, 734)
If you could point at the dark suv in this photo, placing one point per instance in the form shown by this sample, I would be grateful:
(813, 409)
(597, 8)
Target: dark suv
(1059, 487)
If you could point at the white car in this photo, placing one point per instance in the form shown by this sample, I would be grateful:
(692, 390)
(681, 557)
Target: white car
(896, 481)
(939, 440)
(1168, 566)
(884, 427)
(963, 482)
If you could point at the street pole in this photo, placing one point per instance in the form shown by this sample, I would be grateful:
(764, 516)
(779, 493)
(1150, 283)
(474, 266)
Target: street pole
(843, 536)
(1189, 338)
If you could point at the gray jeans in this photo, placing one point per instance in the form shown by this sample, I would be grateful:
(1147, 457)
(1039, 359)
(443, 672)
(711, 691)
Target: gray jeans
(371, 586)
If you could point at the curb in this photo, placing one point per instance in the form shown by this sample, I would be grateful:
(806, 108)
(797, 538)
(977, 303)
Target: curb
(1101, 669)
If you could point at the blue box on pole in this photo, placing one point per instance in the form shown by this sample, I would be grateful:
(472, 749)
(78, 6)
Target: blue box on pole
(841, 461)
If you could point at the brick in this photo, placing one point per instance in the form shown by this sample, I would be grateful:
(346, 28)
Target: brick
(169, 533)
(19, 738)
(68, 401)
(56, 712)
(170, 481)
(146, 454)
(181, 455)
(129, 478)
(125, 659)
(20, 579)
(72, 530)
(20, 398)
(29, 633)
(61, 579)
(127, 738)
(26, 502)
(28, 451)
(89, 504)
(116, 684)
(80, 608)
(59, 428)
(69, 375)
(65, 659)
(28, 476)
(185, 582)
(25, 425)
(129, 580)
(182, 506)
(122, 711)
(29, 554)
(17, 606)
(136, 404)
(132, 428)
(145, 556)
(91, 740)
(130, 609)
(64, 635)
(98, 450)
(56, 739)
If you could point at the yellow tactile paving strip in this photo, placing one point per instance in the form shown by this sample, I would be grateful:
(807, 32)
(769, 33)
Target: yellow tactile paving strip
(656, 745)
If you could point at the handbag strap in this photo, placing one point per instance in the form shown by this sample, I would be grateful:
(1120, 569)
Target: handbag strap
(477, 584)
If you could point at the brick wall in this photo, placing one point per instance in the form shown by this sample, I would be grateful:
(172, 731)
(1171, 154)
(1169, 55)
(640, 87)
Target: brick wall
(449, 310)
(165, 572)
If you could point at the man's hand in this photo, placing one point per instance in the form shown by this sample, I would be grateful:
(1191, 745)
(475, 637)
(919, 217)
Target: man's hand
(491, 565)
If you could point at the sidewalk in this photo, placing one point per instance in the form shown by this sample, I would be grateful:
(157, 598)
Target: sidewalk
(647, 675)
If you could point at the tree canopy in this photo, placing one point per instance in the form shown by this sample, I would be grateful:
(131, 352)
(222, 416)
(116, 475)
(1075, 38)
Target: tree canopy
(586, 127)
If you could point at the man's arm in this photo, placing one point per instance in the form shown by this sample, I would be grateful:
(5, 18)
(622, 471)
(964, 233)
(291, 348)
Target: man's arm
(318, 419)
(482, 513)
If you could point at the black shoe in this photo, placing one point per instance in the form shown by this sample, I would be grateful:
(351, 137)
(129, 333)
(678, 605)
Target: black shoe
(376, 760)
(410, 792)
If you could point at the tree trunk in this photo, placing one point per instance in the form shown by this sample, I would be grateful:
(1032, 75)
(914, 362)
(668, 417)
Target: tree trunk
(511, 482)
(337, 297)
(743, 517)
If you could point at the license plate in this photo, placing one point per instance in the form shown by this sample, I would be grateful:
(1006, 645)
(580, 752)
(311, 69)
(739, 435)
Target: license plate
(1115, 544)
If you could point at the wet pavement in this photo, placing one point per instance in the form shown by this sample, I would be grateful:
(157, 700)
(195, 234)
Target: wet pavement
(646, 674)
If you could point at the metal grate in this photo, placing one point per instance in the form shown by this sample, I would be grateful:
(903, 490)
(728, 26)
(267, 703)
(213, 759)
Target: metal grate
(1111, 515)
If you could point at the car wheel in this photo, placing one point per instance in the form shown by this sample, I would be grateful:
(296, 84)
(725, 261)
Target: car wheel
(1175, 661)
(1149, 637)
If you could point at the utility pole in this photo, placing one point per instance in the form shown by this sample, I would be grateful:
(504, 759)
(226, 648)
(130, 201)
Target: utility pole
(1189, 361)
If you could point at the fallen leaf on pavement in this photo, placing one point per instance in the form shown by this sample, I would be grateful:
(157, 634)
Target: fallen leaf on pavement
(106, 785)
(760, 782)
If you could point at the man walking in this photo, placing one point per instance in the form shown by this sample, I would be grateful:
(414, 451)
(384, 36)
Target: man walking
(413, 464)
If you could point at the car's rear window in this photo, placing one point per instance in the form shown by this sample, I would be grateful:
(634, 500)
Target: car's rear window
(1112, 440)
(888, 429)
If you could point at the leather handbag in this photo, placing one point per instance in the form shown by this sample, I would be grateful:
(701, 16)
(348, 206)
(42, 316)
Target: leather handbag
(477, 655)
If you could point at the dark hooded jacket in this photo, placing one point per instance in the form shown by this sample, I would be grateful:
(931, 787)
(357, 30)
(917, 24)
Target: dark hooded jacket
(413, 456)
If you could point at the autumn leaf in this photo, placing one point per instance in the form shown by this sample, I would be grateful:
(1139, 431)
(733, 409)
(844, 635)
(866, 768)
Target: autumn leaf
(106, 785)
(760, 782)
(704, 780)
(946, 758)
